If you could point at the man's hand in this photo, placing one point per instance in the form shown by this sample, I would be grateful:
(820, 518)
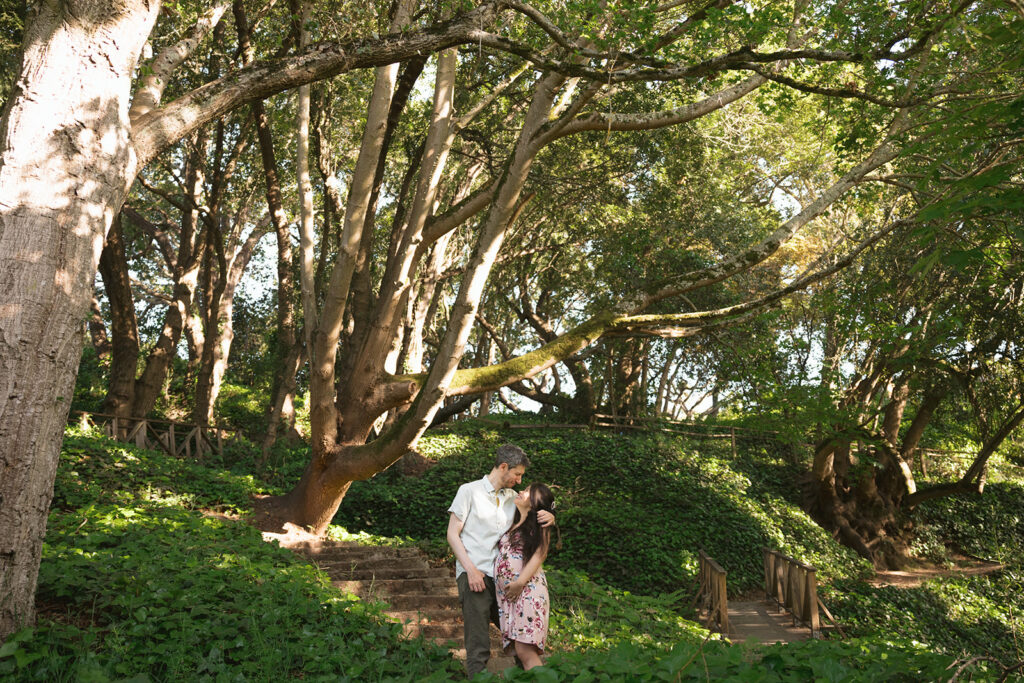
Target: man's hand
(545, 518)
(476, 579)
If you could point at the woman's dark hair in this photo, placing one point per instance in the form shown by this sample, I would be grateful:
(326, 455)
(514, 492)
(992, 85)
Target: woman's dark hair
(530, 532)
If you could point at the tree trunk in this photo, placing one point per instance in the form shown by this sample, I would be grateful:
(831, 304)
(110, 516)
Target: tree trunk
(66, 164)
(98, 330)
(124, 328)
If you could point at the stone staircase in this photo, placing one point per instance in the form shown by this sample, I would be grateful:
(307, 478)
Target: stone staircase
(423, 598)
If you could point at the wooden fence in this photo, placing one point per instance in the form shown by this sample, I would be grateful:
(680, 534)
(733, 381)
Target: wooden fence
(174, 438)
(711, 595)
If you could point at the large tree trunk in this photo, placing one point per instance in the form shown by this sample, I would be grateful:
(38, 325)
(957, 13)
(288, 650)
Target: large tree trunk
(66, 164)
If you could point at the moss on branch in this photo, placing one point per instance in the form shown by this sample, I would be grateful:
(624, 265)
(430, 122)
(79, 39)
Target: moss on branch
(476, 380)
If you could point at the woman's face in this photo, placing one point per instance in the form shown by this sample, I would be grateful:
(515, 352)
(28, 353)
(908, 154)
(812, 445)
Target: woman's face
(523, 501)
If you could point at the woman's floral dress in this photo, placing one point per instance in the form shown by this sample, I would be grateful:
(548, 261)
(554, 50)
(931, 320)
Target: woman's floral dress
(526, 619)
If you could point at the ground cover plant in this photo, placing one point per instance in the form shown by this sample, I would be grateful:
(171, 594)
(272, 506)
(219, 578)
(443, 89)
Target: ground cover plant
(145, 578)
(137, 584)
(635, 508)
(815, 660)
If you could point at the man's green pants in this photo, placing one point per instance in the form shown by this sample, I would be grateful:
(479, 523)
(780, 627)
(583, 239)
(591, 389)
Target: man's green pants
(478, 611)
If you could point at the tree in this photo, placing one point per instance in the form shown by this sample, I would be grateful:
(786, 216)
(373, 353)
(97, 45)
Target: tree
(72, 148)
(75, 140)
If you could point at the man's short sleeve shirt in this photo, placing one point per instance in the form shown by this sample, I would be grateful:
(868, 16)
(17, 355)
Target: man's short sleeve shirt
(486, 514)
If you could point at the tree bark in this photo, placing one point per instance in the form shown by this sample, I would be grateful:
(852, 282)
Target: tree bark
(98, 330)
(124, 327)
(66, 163)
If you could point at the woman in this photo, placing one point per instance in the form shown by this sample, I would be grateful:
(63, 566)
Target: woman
(522, 588)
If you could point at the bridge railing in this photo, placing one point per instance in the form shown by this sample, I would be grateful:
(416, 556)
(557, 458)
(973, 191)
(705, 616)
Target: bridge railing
(711, 594)
(174, 438)
(793, 585)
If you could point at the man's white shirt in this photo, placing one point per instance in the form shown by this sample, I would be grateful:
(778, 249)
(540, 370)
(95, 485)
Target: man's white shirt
(486, 514)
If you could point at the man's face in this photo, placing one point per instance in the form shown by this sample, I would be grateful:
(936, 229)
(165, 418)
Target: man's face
(511, 476)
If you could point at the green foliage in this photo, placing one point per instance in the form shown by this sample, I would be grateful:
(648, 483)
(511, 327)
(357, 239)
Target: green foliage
(154, 590)
(244, 408)
(954, 615)
(91, 382)
(814, 660)
(670, 497)
(587, 616)
(136, 586)
(95, 470)
(990, 526)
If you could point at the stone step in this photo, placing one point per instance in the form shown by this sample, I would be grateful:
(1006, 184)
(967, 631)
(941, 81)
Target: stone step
(423, 598)
(359, 574)
(384, 587)
(375, 563)
(495, 652)
(500, 663)
(460, 652)
(449, 630)
(343, 548)
(426, 616)
(420, 601)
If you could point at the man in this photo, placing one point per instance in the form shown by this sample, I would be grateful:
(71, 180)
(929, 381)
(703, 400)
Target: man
(481, 512)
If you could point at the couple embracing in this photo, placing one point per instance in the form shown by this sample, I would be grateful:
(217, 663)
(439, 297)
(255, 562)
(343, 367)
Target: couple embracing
(500, 539)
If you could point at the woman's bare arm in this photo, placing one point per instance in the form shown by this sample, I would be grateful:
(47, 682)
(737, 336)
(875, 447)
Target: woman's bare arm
(513, 590)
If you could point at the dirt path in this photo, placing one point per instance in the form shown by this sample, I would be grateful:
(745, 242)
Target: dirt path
(914, 575)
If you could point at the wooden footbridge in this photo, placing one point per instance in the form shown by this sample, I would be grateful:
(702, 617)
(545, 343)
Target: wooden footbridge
(791, 609)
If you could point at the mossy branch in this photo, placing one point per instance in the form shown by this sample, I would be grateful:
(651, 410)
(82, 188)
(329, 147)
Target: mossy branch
(493, 377)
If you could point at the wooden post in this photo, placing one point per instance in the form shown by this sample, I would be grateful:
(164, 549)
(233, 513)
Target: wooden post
(220, 441)
(924, 465)
(114, 434)
(812, 602)
(140, 433)
(766, 555)
(172, 443)
(724, 604)
(732, 434)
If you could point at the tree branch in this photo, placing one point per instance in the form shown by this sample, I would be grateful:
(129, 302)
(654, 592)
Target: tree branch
(148, 95)
(162, 127)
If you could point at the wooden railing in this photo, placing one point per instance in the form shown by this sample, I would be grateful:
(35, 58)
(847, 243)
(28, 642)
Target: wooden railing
(701, 430)
(711, 594)
(174, 438)
(793, 585)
